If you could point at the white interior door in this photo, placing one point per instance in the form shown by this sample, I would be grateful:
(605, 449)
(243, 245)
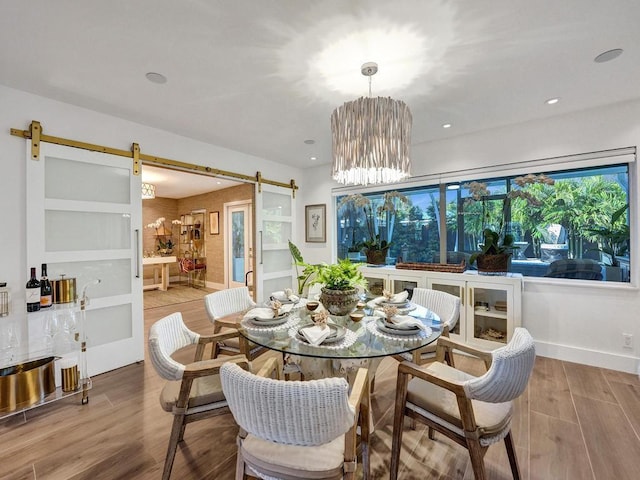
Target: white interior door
(84, 215)
(275, 225)
(238, 243)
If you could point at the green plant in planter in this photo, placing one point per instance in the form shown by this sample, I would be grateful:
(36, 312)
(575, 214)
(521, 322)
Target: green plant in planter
(343, 275)
(494, 244)
(500, 242)
(613, 238)
(376, 213)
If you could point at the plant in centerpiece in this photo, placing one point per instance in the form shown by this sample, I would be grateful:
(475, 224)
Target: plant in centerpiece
(497, 243)
(164, 241)
(340, 283)
(307, 272)
(377, 242)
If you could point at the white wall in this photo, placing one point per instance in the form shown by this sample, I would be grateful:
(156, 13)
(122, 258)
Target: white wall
(569, 320)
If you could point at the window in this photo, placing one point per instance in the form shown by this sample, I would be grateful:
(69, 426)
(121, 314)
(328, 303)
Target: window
(574, 220)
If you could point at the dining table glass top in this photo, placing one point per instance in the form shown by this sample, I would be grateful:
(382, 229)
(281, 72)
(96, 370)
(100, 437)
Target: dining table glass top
(367, 338)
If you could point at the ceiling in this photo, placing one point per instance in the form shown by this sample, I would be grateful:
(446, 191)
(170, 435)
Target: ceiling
(178, 184)
(261, 77)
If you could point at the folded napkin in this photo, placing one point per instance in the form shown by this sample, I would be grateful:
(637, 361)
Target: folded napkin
(286, 308)
(315, 335)
(395, 298)
(285, 296)
(260, 313)
(403, 321)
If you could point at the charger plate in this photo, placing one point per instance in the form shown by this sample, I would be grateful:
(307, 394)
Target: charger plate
(266, 322)
(337, 333)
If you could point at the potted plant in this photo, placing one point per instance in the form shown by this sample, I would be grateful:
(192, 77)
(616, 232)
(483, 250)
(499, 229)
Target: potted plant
(340, 282)
(376, 245)
(613, 241)
(498, 245)
(493, 258)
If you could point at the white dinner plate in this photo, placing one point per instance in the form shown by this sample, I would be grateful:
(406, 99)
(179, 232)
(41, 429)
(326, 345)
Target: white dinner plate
(280, 319)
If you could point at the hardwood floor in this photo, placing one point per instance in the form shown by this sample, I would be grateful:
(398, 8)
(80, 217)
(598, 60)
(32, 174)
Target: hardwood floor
(573, 422)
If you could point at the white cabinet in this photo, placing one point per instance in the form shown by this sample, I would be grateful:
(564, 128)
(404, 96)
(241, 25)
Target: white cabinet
(490, 306)
(395, 281)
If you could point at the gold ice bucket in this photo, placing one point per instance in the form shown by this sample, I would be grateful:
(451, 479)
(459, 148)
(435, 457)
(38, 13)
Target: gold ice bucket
(69, 376)
(26, 383)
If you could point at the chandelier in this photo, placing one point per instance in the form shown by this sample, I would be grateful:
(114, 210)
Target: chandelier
(148, 191)
(371, 139)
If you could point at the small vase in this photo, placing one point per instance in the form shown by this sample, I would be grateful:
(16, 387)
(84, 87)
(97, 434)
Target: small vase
(377, 257)
(493, 264)
(339, 302)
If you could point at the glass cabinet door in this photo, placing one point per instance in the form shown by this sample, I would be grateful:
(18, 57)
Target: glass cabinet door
(456, 288)
(376, 284)
(488, 314)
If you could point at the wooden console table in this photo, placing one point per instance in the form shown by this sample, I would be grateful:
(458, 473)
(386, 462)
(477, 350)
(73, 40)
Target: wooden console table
(162, 264)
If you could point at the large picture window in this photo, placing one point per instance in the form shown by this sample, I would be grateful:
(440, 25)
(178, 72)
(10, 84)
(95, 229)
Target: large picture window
(565, 224)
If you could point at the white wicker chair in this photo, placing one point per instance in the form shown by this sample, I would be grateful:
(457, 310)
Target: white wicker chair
(192, 391)
(475, 412)
(447, 307)
(297, 430)
(222, 304)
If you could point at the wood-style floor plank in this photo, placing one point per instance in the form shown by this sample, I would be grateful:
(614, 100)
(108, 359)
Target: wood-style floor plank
(611, 442)
(123, 432)
(588, 382)
(628, 396)
(549, 390)
(557, 450)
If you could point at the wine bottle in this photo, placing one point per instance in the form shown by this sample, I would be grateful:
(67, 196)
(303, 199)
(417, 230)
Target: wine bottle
(46, 292)
(33, 292)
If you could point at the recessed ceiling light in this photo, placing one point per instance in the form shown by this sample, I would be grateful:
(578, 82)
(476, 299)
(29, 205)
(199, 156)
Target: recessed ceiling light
(313, 158)
(156, 77)
(608, 55)
(552, 101)
(446, 125)
(310, 142)
(219, 183)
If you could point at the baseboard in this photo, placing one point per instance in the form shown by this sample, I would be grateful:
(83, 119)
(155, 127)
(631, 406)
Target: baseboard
(215, 286)
(623, 363)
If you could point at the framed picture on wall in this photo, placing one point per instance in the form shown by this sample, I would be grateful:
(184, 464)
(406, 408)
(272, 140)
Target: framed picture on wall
(315, 223)
(214, 223)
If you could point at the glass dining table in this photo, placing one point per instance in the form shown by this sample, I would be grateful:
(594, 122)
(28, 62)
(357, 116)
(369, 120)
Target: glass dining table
(360, 344)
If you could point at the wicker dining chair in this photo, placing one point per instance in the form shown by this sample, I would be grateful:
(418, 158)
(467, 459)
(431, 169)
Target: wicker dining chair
(447, 307)
(193, 391)
(297, 430)
(223, 304)
(475, 412)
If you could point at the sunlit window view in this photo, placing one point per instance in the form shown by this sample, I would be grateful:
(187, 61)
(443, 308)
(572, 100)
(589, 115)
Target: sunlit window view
(568, 224)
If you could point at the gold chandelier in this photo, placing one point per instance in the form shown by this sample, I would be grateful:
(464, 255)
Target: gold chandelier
(371, 139)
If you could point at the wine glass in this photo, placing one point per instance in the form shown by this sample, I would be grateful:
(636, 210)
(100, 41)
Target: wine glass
(51, 328)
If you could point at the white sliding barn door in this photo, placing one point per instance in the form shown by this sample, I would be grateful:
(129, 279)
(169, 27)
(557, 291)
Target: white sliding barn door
(275, 226)
(83, 220)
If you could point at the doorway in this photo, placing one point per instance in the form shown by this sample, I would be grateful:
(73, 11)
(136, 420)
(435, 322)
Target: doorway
(178, 194)
(238, 243)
